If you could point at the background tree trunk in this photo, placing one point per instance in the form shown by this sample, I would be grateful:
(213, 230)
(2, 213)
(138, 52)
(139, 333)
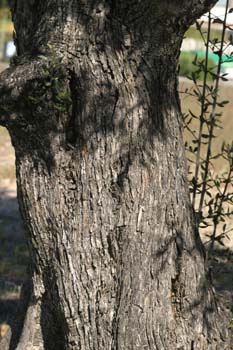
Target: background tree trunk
(92, 108)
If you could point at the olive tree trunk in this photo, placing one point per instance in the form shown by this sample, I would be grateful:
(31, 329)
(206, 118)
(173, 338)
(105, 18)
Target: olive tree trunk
(92, 108)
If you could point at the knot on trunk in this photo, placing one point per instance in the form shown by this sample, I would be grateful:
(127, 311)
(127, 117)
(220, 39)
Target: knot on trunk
(34, 90)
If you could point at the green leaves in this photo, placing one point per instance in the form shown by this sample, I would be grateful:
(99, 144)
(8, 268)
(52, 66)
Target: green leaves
(211, 192)
(53, 86)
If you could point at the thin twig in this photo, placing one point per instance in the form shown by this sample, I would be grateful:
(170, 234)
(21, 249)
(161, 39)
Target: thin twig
(213, 113)
(197, 167)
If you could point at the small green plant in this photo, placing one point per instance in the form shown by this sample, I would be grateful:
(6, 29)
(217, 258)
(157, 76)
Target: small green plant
(192, 65)
(230, 326)
(52, 82)
(211, 192)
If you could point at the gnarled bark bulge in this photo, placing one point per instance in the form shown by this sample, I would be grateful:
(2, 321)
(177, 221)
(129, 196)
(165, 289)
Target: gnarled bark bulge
(92, 108)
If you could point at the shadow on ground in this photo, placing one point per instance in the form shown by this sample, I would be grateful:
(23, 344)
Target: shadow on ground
(13, 255)
(221, 267)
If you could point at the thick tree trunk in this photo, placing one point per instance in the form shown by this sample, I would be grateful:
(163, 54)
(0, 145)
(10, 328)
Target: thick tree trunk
(92, 109)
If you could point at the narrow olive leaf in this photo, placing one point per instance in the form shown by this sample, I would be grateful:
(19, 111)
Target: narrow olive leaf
(207, 186)
(192, 114)
(196, 92)
(217, 20)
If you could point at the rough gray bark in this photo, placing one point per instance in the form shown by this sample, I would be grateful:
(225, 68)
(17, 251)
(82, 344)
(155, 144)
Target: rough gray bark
(92, 109)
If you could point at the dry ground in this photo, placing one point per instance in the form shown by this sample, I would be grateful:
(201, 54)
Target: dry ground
(13, 249)
(225, 134)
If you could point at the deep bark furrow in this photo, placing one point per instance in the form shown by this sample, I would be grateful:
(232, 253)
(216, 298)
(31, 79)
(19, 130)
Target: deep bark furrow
(101, 172)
